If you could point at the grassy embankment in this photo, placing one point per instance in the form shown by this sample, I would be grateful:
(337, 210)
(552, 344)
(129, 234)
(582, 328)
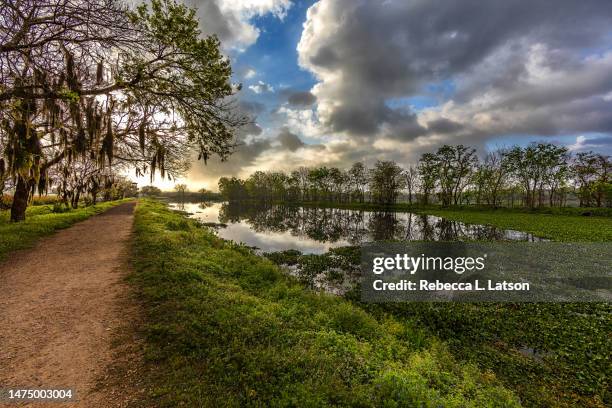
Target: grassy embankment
(550, 354)
(42, 221)
(228, 328)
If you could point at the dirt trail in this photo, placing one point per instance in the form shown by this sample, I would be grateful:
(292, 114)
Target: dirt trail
(60, 305)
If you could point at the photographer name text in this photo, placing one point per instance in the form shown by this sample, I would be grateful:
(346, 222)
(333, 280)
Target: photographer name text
(434, 286)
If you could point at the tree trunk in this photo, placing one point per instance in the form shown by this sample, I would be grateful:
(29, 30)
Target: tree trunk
(20, 200)
(75, 200)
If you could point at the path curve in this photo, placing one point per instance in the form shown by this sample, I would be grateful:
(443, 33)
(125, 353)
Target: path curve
(61, 302)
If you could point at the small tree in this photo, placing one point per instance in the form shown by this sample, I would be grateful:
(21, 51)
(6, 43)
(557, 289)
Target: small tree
(412, 181)
(150, 191)
(386, 181)
(428, 171)
(455, 167)
(535, 166)
(75, 179)
(232, 189)
(592, 177)
(358, 178)
(490, 177)
(181, 189)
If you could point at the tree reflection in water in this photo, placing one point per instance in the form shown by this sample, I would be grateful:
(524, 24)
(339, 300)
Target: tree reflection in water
(355, 226)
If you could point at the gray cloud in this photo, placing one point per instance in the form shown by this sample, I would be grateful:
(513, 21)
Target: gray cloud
(301, 98)
(230, 19)
(289, 141)
(514, 65)
(250, 129)
(251, 107)
(443, 125)
(225, 26)
(244, 156)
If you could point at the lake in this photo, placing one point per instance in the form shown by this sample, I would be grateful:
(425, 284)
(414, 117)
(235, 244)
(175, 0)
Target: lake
(316, 230)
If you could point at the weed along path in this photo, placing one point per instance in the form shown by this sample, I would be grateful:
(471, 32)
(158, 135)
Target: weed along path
(61, 303)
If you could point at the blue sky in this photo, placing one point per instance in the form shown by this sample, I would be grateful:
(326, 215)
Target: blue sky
(274, 60)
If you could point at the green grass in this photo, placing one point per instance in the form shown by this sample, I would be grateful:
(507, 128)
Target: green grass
(575, 368)
(227, 328)
(41, 221)
(572, 367)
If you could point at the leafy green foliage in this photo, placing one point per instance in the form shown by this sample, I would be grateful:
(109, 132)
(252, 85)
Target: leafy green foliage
(150, 191)
(228, 328)
(335, 264)
(549, 354)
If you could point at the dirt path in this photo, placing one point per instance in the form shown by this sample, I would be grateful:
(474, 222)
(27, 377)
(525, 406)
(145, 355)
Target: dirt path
(60, 305)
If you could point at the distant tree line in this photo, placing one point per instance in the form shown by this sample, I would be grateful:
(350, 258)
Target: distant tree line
(181, 193)
(538, 175)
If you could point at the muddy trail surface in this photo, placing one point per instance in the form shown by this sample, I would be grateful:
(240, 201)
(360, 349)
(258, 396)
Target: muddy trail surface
(62, 304)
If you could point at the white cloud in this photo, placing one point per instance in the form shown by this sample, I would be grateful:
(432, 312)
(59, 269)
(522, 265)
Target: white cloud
(579, 145)
(302, 121)
(230, 20)
(261, 87)
(601, 144)
(250, 73)
(251, 8)
(523, 71)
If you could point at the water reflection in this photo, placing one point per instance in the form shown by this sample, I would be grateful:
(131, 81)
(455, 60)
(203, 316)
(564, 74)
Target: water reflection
(315, 230)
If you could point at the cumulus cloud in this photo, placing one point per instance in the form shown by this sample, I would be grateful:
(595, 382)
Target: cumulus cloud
(230, 20)
(244, 72)
(245, 155)
(301, 98)
(250, 73)
(289, 141)
(601, 144)
(302, 121)
(514, 67)
(251, 107)
(261, 87)
(494, 68)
